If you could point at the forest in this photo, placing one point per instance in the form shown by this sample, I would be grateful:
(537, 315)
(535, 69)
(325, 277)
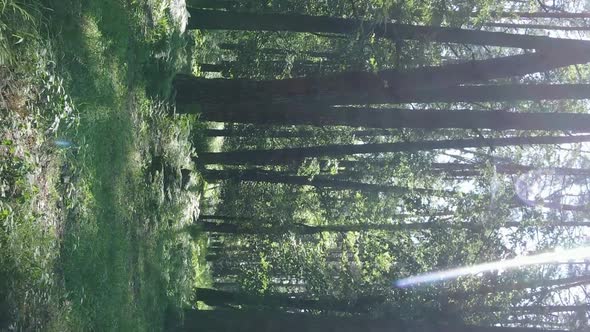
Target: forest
(295, 165)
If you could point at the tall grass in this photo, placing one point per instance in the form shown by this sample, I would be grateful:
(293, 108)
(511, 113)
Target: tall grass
(19, 22)
(84, 242)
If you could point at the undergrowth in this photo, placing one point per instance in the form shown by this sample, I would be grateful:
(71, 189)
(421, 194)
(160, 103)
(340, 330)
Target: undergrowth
(96, 173)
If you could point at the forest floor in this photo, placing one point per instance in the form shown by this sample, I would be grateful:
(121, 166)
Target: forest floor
(91, 190)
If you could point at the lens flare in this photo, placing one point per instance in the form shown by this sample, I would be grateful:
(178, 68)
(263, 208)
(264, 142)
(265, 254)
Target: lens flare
(62, 143)
(559, 255)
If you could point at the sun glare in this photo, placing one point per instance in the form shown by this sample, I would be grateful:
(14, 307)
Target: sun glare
(558, 255)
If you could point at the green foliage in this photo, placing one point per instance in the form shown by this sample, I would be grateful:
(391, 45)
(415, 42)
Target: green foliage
(36, 111)
(460, 219)
(87, 227)
(19, 22)
(12, 171)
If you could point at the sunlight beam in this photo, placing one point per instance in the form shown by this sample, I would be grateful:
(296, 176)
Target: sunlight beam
(521, 261)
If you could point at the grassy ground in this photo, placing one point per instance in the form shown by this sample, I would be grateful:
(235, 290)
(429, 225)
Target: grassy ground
(92, 189)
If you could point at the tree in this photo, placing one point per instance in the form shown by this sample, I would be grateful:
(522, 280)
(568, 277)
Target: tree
(209, 104)
(533, 284)
(298, 68)
(290, 155)
(299, 228)
(363, 87)
(227, 20)
(282, 246)
(558, 15)
(402, 118)
(279, 51)
(273, 133)
(212, 4)
(462, 169)
(482, 93)
(536, 26)
(214, 297)
(271, 321)
(303, 229)
(318, 182)
(541, 309)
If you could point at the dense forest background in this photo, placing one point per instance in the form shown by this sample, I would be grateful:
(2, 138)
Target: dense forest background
(368, 141)
(241, 165)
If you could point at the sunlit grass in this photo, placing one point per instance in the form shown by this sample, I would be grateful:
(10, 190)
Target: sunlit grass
(108, 263)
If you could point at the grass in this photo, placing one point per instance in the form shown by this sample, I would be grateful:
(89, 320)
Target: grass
(87, 245)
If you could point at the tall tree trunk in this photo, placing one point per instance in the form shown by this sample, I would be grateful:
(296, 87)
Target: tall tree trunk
(212, 108)
(362, 87)
(226, 20)
(287, 133)
(298, 66)
(465, 169)
(298, 228)
(400, 216)
(476, 169)
(538, 309)
(272, 321)
(403, 118)
(222, 218)
(535, 26)
(318, 182)
(213, 68)
(279, 51)
(547, 292)
(215, 297)
(290, 155)
(533, 284)
(481, 93)
(558, 15)
(212, 4)
(227, 286)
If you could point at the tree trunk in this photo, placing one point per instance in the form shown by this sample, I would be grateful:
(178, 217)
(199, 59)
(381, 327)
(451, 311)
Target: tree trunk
(465, 169)
(533, 284)
(403, 118)
(299, 66)
(272, 321)
(481, 93)
(279, 51)
(212, 4)
(215, 297)
(209, 217)
(226, 20)
(211, 107)
(227, 286)
(492, 93)
(558, 15)
(298, 228)
(476, 169)
(388, 86)
(538, 309)
(222, 218)
(539, 321)
(536, 26)
(288, 133)
(547, 292)
(318, 182)
(212, 68)
(290, 155)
